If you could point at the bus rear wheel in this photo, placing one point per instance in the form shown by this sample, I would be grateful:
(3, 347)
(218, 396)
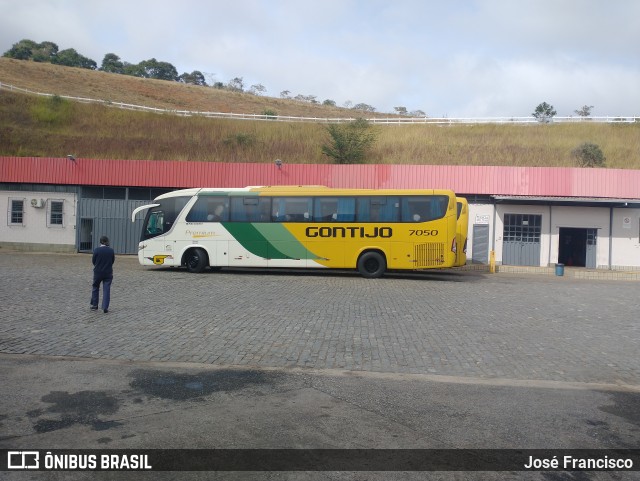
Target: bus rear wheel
(372, 265)
(196, 260)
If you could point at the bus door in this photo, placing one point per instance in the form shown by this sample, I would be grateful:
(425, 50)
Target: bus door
(159, 221)
(146, 230)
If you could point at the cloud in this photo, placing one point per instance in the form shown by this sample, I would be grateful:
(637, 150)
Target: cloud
(459, 58)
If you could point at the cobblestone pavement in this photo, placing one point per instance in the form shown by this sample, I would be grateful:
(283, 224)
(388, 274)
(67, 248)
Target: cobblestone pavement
(465, 324)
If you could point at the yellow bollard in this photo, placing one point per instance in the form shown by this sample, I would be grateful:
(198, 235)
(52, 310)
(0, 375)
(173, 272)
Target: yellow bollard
(492, 262)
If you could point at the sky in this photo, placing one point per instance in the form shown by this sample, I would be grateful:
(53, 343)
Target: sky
(447, 58)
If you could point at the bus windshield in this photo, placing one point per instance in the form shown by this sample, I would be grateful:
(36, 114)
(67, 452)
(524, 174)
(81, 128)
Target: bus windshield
(160, 219)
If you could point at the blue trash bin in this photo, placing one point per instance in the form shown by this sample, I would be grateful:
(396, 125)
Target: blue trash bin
(559, 269)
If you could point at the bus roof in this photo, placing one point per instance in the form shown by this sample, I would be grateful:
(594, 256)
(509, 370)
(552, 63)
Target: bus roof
(195, 191)
(301, 190)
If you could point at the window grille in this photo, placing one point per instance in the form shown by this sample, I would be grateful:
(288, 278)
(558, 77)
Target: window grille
(16, 212)
(55, 215)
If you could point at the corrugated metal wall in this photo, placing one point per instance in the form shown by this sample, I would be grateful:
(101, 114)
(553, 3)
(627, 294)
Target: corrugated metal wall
(112, 218)
(540, 181)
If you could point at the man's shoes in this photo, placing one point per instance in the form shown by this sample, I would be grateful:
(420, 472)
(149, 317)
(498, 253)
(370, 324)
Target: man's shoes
(94, 308)
(106, 310)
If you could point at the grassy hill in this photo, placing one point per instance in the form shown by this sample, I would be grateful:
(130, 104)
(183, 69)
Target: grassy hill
(52, 127)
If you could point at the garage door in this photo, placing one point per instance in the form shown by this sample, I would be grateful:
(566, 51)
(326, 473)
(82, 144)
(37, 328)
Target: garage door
(521, 240)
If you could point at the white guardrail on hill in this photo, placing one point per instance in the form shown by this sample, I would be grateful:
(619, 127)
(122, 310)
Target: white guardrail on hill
(286, 118)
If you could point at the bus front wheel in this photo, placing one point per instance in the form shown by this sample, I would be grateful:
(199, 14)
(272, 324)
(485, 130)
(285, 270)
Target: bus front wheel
(372, 265)
(196, 260)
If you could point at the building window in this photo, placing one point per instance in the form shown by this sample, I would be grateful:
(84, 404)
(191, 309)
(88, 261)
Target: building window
(16, 212)
(56, 213)
(522, 228)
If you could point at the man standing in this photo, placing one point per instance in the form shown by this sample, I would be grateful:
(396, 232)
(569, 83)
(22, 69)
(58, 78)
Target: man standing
(103, 259)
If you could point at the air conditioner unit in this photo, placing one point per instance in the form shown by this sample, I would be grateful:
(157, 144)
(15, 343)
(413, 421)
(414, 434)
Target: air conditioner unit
(38, 203)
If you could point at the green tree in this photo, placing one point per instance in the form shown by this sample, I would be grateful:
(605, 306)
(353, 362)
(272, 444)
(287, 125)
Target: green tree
(154, 69)
(21, 50)
(544, 113)
(111, 63)
(349, 142)
(236, 84)
(364, 107)
(306, 98)
(71, 58)
(257, 89)
(194, 78)
(584, 111)
(29, 50)
(588, 155)
(135, 70)
(45, 52)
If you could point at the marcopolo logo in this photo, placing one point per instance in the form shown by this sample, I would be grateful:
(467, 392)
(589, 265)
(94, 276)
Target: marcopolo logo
(349, 231)
(23, 460)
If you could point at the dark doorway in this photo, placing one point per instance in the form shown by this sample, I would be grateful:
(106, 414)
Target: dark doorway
(572, 250)
(86, 235)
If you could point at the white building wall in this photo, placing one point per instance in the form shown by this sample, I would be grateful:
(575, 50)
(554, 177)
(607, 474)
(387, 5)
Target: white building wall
(36, 231)
(625, 247)
(626, 239)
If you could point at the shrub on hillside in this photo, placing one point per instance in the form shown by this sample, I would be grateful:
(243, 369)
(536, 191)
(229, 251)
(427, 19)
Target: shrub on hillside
(349, 142)
(270, 113)
(52, 110)
(588, 155)
(241, 139)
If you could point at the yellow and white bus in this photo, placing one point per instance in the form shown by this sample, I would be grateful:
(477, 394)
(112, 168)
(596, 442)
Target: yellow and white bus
(462, 231)
(301, 226)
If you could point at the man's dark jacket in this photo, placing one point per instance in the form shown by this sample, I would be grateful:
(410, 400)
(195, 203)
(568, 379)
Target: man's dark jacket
(103, 259)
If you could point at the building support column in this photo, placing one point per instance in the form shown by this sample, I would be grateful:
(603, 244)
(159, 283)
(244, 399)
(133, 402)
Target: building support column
(610, 237)
(550, 233)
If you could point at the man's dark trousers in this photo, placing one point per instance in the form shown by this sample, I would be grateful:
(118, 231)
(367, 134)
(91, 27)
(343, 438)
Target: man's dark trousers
(106, 290)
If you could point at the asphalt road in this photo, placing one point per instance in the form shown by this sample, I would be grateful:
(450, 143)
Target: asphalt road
(290, 359)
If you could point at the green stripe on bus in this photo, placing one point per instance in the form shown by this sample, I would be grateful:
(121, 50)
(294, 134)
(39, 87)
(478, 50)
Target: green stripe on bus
(270, 241)
(252, 240)
(284, 241)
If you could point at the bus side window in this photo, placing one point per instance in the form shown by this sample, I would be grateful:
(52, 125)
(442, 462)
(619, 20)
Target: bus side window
(292, 209)
(439, 206)
(416, 209)
(250, 209)
(378, 209)
(198, 212)
(217, 211)
(346, 209)
(325, 209)
(239, 211)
